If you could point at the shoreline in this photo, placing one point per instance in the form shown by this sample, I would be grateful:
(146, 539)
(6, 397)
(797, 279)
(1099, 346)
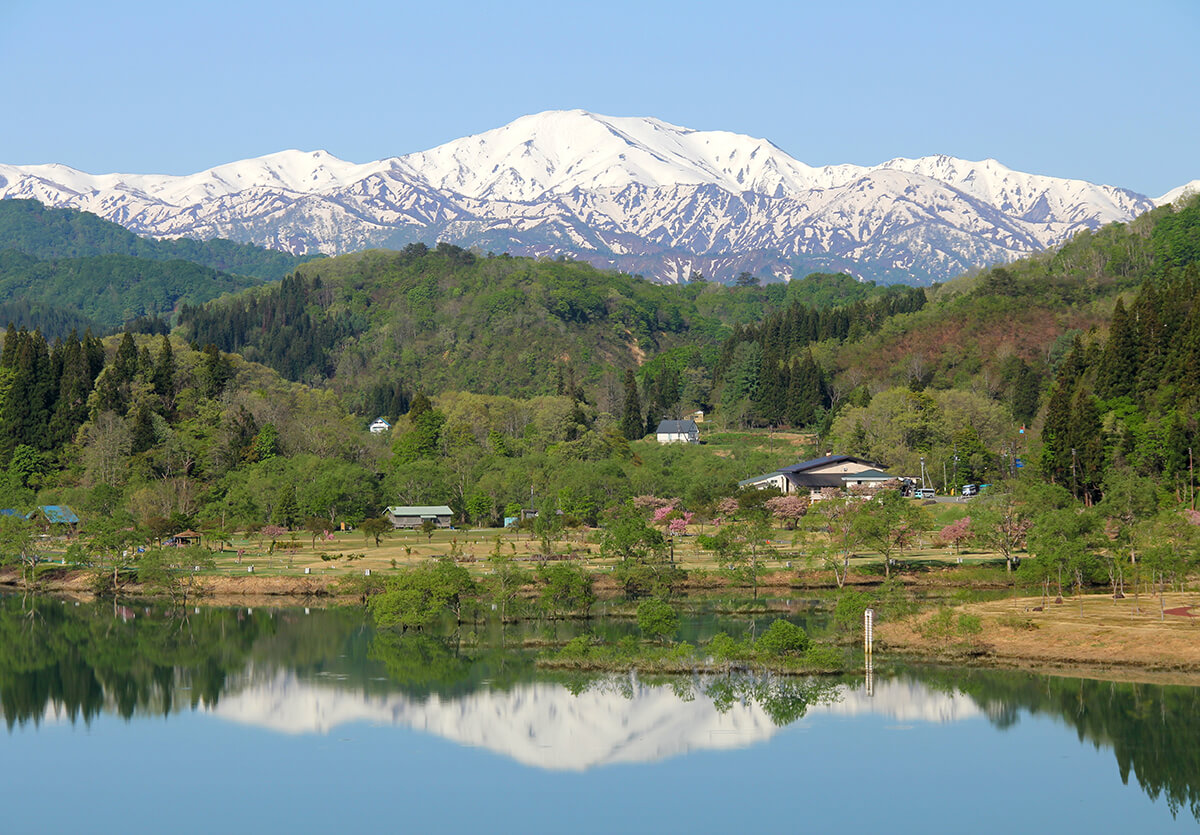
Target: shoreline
(1109, 640)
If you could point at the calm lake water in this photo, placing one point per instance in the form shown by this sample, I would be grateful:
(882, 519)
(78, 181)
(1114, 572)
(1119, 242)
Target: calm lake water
(122, 719)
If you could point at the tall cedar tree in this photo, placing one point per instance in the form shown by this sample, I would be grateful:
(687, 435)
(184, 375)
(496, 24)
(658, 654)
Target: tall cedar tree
(631, 416)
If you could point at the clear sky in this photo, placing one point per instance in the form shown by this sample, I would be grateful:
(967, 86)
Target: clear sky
(1103, 90)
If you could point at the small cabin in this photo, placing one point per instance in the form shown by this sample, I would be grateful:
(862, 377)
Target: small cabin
(677, 432)
(379, 426)
(413, 516)
(188, 537)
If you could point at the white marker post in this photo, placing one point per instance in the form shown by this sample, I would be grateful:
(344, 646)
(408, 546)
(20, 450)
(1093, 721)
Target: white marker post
(868, 647)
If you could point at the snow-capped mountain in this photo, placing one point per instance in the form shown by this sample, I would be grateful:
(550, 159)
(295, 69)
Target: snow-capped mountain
(635, 193)
(1179, 191)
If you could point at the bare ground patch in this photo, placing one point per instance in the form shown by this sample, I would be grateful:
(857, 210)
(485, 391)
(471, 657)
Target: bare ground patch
(1096, 632)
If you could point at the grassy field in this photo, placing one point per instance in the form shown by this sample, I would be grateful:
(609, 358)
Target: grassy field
(351, 553)
(1087, 630)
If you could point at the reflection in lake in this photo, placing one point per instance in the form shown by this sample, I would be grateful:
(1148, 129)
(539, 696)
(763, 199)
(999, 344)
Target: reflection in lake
(613, 719)
(317, 676)
(545, 725)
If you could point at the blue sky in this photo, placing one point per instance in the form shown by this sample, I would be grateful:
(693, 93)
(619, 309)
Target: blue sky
(1104, 91)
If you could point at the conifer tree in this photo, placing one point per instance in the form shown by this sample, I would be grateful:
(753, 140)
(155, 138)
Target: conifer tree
(631, 416)
(8, 355)
(419, 406)
(216, 369)
(75, 384)
(142, 427)
(1086, 439)
(1118, 365)
(93, 351)
(1026, 391)
(1056, 435)
(164, 370)
(125, 363)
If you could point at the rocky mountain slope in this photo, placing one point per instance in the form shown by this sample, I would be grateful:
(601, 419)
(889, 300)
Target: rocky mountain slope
(635, 193)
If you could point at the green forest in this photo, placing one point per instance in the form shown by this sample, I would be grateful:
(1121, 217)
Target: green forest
(62, 269)
(512, 381)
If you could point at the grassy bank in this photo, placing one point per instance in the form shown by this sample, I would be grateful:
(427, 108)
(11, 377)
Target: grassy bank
(1094, 631)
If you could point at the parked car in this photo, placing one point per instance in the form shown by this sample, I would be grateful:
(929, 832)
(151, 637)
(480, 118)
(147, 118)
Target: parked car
(924, 493)
(969, 490)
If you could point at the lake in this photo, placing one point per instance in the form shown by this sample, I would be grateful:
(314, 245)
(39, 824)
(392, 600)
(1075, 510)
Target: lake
(122, 718)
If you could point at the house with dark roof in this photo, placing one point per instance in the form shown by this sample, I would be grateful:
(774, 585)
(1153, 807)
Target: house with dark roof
(841, 472)
(677, 431)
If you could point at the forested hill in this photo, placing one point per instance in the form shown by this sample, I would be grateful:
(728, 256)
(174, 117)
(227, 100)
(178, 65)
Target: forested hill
(1132, 400)
(1094, 349)
(105, 291)
(986, 330)
(49, 234)
(382, 325)
(62, 269)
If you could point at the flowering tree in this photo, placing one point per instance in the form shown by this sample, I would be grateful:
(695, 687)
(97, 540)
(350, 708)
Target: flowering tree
(663, 514)
(726, 510)
(273, 532)
(788, 509)
(675, 521)
(956, 533)
(679, 524)
(651, 502)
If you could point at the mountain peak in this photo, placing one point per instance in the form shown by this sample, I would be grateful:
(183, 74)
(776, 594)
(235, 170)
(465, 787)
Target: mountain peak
(1179, 191)
(637, 193)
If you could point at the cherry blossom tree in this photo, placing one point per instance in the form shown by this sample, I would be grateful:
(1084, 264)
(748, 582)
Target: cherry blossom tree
(956, 533)
(788, 509)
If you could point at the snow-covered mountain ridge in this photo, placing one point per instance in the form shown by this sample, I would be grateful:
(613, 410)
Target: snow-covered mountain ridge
(635, 193)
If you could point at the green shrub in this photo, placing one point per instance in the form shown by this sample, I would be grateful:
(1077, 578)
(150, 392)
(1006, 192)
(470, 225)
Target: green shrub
(940, 626)
(627, 646)
(782, 638)
(724, 648)
(969, 626)
(682, 651)
(944, 626)
(578, 647)
(823, 657)
(848, 613)
(657, 619)
(1017, 622)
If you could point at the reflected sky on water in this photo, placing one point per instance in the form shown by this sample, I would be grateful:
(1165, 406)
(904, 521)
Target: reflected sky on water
(312, 723)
